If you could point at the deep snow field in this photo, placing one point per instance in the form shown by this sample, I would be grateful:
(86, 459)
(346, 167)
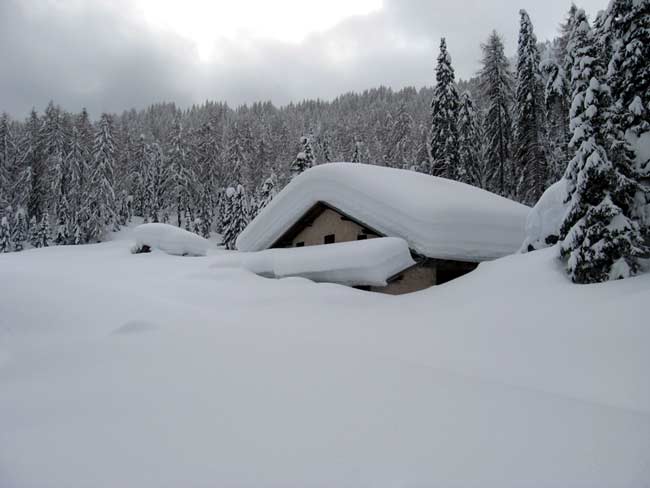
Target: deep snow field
(151, 370)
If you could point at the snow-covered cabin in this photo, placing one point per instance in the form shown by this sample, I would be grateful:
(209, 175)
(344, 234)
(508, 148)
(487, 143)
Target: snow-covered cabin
(449, 227)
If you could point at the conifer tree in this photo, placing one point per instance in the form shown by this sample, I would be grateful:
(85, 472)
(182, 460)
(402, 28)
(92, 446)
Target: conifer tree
(19, 236)
(44, 232)
(6, 243)
(34, 227)
(628, 24)
(267, 192)
(237, 216)
(470, 142)
(600, 239)
(181, 176)
(529, 158)
(445, 160)
(8, 157)
(304, 159)
(33, 175)
(63, 223)
(496, 88)
(102, 208)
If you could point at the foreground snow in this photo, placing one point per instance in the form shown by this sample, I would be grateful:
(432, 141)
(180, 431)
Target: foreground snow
(153, 370)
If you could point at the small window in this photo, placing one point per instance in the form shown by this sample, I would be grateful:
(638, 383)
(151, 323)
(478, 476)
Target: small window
(362, 237)
(300, 244)
(329, 239)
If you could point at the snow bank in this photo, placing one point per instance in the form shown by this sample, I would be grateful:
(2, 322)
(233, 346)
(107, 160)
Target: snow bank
(544, 220)
(370, 262)
(437, 217)
(170, 239)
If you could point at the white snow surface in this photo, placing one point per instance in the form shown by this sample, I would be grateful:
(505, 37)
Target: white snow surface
(438, 218)
(370, 262)
(546, 217)
(170, 239)
(151, 370)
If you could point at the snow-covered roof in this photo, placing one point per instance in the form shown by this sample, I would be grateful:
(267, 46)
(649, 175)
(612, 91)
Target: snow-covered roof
(438, 218)
(371, 262)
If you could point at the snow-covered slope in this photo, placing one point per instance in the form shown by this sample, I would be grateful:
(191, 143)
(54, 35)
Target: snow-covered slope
(153, 370)
(437, 217)
(371, 262)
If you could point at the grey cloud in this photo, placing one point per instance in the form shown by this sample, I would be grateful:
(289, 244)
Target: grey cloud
(100, 55)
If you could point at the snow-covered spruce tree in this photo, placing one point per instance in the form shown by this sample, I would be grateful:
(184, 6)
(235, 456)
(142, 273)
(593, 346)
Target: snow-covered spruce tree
(8, 160)
(443, 145)
(628, 23)
(33, 178)
(6, 244)
(34, 227)
(399, 150)
(55, 143)
(600, 240)
(64, 223)
(157, 182)
(139, 177)
(102, 209)
(556, 69)
(237, 215)
(267, 192)
(304, 159)
(495, 82)
(44, 233)
(470, 142)
(19, 231)
(529, 156)
(181, 177)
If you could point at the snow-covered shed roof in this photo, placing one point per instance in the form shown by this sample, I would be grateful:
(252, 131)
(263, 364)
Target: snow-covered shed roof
(438, 218)
(370, 262)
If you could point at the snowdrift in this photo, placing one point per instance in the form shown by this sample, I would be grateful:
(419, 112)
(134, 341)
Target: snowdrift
(437, 217)
(371, 262)
(169, 239)
(544, 220)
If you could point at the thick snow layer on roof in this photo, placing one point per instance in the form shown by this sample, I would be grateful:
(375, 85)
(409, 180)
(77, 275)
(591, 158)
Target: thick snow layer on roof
(170, 239)
(437, 217)
(370, 262)
(545, 218)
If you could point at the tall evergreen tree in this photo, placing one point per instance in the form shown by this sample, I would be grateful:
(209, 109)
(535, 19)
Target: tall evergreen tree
(529, 158)
(8, 160)
(237, 215)
(305, 158)
(102, 208)
(180, 173)
(601, 240)
(444, 130)
(267, 192)
(496, 88)
(470, 142)
(19, 235)
(628, 24)
(6, 243)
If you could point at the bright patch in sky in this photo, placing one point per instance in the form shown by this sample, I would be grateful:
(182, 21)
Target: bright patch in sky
(207, 21)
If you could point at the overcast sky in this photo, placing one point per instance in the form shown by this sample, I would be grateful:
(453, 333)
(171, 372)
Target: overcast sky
(111, 55)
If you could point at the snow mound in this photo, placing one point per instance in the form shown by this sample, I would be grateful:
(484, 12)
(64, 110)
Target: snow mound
(371, 262)
(437, 217)
(545, 218)
(170, 239)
